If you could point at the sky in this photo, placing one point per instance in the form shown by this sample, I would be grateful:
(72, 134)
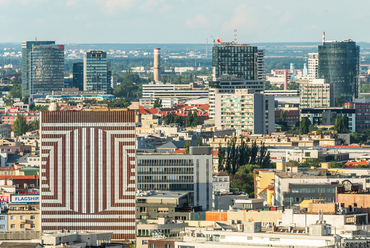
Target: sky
(183, 21)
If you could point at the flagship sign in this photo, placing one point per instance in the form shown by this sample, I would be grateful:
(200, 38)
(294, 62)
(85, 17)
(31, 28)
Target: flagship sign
(25, 199)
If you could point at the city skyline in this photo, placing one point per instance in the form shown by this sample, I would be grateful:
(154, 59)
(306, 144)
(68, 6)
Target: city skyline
(158, 21)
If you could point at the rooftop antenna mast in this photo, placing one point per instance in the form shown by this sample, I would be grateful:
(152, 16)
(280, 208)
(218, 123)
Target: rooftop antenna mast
(35, 38)
(235, 36)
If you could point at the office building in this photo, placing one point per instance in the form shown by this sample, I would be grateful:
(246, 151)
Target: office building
(46, 69)
(326, 116)
(246, 112)
(114, 82)
(313, 66)
(174, 172)
(26, 49)
(294, 187)
(316, 94)
(88, 172)
(339, 65)
(78, 75)
(96, 72)
(362, 109)
(228, 84)
(245, 61)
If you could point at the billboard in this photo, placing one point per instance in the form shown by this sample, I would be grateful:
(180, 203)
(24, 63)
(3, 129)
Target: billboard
(4, 198)
(25, 198)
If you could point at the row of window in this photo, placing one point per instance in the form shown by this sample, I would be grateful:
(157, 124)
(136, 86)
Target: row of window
(12, 217)
(13, 226)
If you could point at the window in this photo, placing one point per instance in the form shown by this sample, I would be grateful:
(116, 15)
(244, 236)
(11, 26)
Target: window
(12, 217)
(144, 242)
(153, 246)
(2, 217)
(12, 226)
(167, 246)
(22, 225)
(22, 217)
(33, 217)
(33, 225)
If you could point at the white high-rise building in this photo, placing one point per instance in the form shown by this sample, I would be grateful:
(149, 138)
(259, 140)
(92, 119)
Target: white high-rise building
(246, 112)
(313, 66)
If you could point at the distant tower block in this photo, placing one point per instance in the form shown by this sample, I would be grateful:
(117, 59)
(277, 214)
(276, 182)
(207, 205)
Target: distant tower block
(157, 65)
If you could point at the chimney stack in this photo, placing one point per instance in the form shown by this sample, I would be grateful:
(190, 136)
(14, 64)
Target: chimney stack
(157, 65)
(323, 38)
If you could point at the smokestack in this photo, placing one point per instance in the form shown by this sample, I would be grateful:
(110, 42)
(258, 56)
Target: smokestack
(157, 65)
(323, 38)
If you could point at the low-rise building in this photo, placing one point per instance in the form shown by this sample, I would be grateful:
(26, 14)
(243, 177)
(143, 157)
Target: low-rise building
(156, 204)
(178, 172)
(78, 239)
(221, 182)
(23, 216)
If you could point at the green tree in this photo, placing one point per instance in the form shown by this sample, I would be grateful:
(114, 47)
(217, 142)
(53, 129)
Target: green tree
(282, 116)
(263, 159)
(221, 158)
(337, 165)
(16, 92)
(341, 124)
(244, 179)
(157, 103)
(189, 119)
(20, 125)
(34, 125)
(130, 86)
(199, 142)
(39, 108)
(304, 125)
(25, 99)
(312, 162)
(339, 101)
(121, 103)
(187, 146)
(293, 86)
(355, 138)
(195, 121)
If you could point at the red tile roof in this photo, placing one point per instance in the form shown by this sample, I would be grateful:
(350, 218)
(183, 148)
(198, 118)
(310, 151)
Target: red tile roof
(221, 174)
(356, 163)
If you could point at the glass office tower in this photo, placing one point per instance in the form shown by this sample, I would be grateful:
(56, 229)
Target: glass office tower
(78, 75)
(245, 61)
(339, 66)
(26, 49)
(46, 73)
(96, 71)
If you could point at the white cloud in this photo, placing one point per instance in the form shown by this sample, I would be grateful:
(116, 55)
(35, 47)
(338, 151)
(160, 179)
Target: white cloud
(244, 17)
(150, 5)
(116, 5)
(70, 3)
(199, 21)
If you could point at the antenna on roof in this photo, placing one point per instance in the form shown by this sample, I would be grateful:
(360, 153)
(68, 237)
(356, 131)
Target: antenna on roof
(235, 36)
(35, 38)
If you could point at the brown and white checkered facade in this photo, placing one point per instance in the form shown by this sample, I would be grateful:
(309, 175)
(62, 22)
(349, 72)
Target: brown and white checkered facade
(88, 171)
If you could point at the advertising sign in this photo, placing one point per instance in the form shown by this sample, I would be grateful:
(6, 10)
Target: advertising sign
(4, 198)
(25, 198)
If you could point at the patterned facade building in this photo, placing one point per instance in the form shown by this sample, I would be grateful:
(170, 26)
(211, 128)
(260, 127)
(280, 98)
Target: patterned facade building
(88, 171)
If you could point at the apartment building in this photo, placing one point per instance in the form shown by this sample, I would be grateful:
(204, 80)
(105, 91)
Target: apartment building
(246, 112)
(316, 94)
